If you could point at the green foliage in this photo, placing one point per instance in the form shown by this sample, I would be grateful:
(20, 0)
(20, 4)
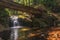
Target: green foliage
(49, 3)
(3, 16)
(25, 2)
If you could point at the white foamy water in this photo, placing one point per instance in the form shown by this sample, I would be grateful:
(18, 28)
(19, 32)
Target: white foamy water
(14, 28)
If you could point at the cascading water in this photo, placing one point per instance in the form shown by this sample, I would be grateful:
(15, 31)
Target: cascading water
(15, 27)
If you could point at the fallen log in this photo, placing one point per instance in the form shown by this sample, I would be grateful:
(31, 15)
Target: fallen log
(19, 7)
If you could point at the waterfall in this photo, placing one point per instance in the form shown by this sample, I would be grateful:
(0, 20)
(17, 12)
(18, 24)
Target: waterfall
(15, 27)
